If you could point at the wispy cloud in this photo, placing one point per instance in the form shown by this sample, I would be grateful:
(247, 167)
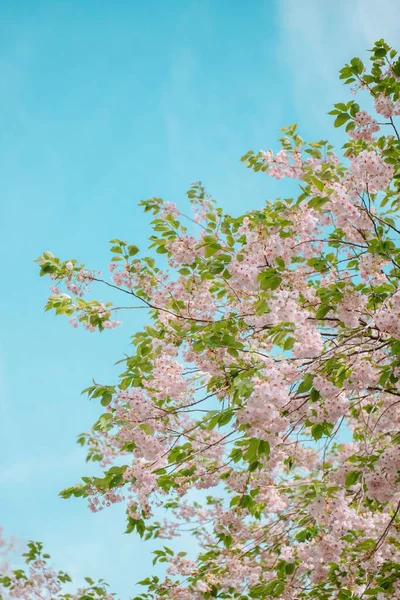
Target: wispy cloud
(372, 20)
(26, 472)
(317, 37)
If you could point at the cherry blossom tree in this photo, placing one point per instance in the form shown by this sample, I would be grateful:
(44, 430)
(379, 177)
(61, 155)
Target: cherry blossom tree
(260, 407)
(39, 581)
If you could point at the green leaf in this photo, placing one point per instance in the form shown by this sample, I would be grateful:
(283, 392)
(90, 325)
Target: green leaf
(352, 478)
(106, 399)
(133, 250)
(380, 52)
(270, 279)
(306, 383)
(357, 66)
(317, 431)
(341, 119)
(322, 311)
(289, 568)
(317, 182)
(264, 447)
(366, 545)
(314, 395)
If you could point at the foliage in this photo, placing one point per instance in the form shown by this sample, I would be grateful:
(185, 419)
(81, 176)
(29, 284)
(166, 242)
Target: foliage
(268, 374)
(39, 580)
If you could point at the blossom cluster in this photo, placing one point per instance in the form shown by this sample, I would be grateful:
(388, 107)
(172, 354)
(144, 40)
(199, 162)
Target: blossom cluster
(268, 376)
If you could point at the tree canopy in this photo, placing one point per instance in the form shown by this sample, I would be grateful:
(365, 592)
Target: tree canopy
(260, 406)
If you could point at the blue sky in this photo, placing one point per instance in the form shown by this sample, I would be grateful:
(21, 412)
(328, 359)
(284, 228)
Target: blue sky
(102, 104)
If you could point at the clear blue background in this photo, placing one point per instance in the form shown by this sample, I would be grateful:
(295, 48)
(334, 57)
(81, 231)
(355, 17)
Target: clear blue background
(102, 104)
